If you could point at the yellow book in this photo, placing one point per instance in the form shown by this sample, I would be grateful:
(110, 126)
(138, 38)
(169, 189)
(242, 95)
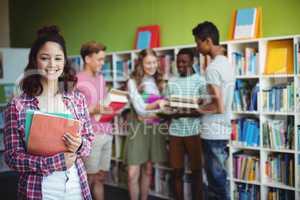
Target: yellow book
(280, 57)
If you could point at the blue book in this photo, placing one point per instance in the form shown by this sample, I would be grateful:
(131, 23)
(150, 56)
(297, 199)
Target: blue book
(245, 23)
(253, 103)
(144, 38)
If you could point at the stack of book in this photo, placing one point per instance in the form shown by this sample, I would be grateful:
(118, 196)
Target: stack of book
(116, 100)
(44, 132)
(177, 101)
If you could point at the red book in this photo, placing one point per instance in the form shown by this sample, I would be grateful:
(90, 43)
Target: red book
(116, 100)
(46, 134)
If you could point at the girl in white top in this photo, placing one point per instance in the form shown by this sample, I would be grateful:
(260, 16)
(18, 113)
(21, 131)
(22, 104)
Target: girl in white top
(145, 143)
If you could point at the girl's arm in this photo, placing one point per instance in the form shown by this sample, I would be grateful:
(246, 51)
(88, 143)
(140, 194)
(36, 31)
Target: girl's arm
(142, 108)
(87, 134)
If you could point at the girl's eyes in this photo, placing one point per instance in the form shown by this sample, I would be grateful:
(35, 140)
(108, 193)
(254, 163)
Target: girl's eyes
(58, 59)
(47, 58)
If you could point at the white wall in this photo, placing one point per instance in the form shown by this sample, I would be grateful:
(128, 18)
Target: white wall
(4, 24)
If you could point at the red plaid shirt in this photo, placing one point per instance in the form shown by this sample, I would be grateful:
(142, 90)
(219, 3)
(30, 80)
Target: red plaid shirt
(32, 168)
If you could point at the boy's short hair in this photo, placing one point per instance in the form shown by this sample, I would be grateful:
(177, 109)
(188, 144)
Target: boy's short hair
(188, 52)
(206, 30)
(91, 47)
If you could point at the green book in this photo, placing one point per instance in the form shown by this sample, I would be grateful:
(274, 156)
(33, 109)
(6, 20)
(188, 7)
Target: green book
(29, 116)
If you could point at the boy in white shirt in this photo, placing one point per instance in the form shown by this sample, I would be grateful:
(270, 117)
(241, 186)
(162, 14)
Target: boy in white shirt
(216, 126)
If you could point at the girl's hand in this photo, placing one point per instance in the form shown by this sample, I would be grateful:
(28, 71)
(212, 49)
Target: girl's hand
(162, 103)
(70, 159)
(72, 142)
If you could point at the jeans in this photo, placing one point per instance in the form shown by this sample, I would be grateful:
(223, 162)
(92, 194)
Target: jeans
(215, 155)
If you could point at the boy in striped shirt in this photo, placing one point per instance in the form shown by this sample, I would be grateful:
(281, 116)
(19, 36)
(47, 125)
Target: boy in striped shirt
(184, 131)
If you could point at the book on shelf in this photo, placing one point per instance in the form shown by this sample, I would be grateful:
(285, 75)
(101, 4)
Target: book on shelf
(44, 132)
(279, 133)
(280, 57)
(245, 131)
(245, 96)
(278, 194)
(279, 98)
(246, 166)
(297, 58)
(165, 65)
(280, 168)
(246, 191)
(107, 71)
(246, 23)
(123, 69)
(116, 100)
(246, 62)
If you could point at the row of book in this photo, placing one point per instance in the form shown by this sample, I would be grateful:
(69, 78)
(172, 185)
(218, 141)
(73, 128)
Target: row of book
(279, 98)
(167, 65)
(245, 131)
(107, 71)
(278, 133)
(280, 168)
(246, 166)
(123, 68)
(280, 194)
(246, 192)
(245, 63)
(245, 96)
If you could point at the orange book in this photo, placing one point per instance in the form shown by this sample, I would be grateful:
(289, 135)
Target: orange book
(46, 133)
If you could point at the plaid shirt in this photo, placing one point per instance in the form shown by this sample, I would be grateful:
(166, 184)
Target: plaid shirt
(32, 168)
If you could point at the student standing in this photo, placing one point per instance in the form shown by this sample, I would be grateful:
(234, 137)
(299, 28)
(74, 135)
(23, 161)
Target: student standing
(184, 131)
(216, 120)
(48, 86)
(92, 84)
(146, 142)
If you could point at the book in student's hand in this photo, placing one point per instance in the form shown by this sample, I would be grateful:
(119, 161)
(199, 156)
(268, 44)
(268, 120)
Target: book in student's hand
(116, 100)
(44, 132)
(177, 101)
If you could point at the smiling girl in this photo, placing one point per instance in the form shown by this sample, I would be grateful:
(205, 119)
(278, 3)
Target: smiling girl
(145, 143)
(48, 86)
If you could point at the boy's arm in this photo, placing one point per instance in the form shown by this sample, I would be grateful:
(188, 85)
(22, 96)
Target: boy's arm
(214, 84)
(216, 105)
